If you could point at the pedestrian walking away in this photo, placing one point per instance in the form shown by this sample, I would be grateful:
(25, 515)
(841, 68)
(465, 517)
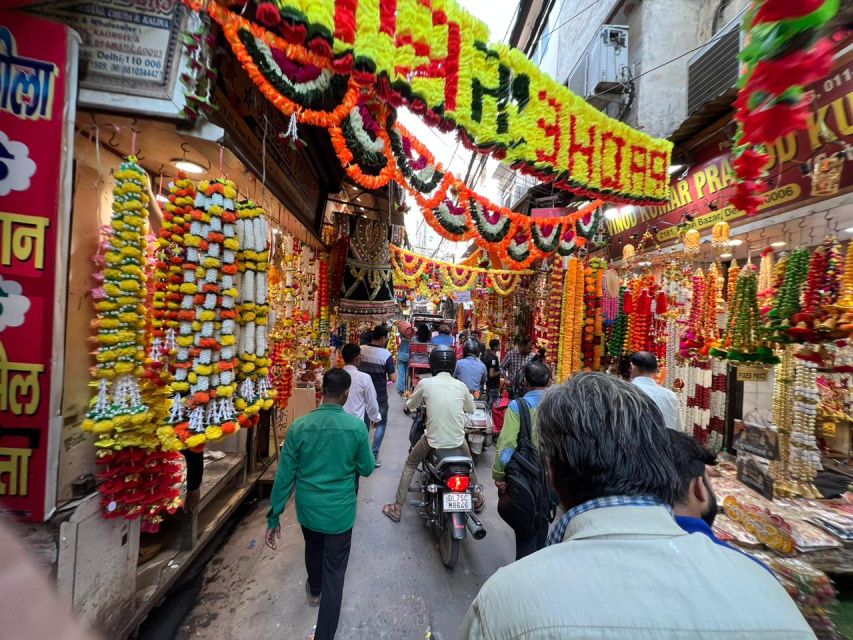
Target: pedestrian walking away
(642, 367)
(378, 363)
(323, 453)
(527, 539)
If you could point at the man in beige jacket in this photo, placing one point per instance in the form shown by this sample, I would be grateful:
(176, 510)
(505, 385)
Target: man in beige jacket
(618, 566)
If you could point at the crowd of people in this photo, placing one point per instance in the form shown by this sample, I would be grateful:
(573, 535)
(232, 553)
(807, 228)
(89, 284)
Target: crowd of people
(633, 553)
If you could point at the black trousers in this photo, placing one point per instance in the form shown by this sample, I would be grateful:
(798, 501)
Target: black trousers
(326, 558)
(526, 546)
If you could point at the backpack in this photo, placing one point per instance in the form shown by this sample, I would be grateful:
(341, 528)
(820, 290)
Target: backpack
(529, 502)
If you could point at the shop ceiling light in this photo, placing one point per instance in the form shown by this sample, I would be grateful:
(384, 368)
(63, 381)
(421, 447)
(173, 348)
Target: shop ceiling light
(675, 168)
(725, 255)
(848, 230)
(188, 166)
(736, 242)
(612, 213)
(778, 244)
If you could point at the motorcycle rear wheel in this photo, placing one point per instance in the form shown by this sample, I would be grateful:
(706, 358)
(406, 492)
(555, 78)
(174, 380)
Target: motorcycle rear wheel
(448, 546)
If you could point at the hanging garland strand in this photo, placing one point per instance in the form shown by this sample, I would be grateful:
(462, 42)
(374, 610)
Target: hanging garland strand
(374, 150)
(410, 267)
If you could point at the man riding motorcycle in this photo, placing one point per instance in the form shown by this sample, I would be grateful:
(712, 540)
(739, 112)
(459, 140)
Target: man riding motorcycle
(447, 400)
(470, 369)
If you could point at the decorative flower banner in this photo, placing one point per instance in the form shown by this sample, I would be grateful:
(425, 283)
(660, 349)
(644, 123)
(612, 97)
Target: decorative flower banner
(783, 55)
(412, 267)
(433, 56)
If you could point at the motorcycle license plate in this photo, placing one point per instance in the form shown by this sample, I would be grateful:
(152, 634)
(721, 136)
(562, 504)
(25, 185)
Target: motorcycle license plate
(457, 502)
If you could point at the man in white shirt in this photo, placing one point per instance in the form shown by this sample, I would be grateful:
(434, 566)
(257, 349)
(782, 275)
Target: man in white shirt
(644, 365)
(447, 401)
(618, 567)
(361, 401)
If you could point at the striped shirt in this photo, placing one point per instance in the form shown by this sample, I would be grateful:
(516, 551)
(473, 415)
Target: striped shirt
(378, 363)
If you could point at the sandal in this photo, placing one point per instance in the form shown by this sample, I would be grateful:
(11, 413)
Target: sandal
(479, 502)
(393, 511)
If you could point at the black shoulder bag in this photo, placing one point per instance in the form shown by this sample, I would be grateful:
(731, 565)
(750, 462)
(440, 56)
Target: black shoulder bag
(529, 503)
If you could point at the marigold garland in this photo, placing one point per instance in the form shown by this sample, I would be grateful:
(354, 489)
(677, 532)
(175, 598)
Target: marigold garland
(571, 323)
(118, 415)
(533, 123)
(593, 328)
(410, 268)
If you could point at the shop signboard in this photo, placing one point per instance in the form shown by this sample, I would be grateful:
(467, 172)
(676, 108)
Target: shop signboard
(704, 191)
(37, 97)
(129, 46)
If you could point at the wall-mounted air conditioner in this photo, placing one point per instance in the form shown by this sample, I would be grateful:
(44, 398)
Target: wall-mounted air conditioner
(714, 69)
(602, 71)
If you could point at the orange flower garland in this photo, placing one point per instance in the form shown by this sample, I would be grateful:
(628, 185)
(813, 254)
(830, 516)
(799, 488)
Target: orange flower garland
(571, 326)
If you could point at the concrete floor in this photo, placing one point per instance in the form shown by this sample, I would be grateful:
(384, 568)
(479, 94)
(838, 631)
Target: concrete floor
(396, 586)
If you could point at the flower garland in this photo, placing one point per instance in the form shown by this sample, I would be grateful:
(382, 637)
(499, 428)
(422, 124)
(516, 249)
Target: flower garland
(691, 341)
(782, 56)
(206, 367)
(553, 313)
(412, 268)
(118, 415)
(731, 277)
(616, 345)
(742, 342)
(255, 392)
(572, 321)
(137, 480)
(593, 329)
(531, 107)
(787, 300)
(823, 283)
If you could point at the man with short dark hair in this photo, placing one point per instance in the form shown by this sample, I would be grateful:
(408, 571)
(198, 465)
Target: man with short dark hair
(378, 363)
(493, 372)
(618, 566)
(643, 366)
(695, 503)
(325, 450)
(513, 366)
(361, 401)
(537, 376)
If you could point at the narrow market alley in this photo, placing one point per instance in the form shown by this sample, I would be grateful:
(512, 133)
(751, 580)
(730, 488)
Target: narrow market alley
(396, 586)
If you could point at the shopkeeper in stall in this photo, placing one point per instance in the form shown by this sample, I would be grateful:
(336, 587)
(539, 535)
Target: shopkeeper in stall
(643, 366)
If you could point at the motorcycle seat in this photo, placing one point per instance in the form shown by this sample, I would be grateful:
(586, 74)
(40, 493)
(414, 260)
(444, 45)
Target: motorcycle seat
(442, 457)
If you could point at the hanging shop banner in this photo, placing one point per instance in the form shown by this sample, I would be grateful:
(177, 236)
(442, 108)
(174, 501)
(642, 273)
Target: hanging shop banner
(703, 193)
(129, 46)
(38, 63)
(437, 58)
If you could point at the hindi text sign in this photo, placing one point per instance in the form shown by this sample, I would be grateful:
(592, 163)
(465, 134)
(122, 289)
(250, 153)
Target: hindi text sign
(33, 92)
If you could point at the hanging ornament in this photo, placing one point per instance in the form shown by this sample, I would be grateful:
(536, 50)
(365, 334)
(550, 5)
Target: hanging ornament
(720, 235)
(691, 241)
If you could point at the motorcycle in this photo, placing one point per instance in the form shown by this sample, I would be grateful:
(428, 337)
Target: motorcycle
(478, 429)
(447, 506)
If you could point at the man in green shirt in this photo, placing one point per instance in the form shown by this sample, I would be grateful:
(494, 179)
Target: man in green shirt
(323, 454)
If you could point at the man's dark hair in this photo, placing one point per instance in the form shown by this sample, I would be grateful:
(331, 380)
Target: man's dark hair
(537, 374)
(605, 437)
(335, 382)
(644, 361)
(522, 342)
(380, 332)
(350, 352)
(690, 459)
(494, 343)
(423, 333)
